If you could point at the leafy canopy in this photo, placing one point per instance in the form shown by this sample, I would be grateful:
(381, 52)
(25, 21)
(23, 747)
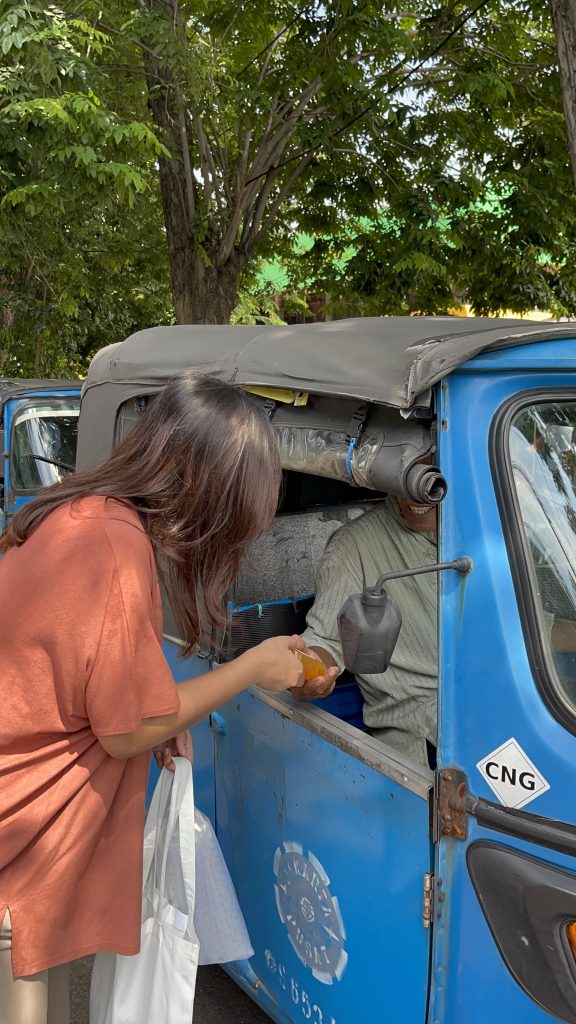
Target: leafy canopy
(452, 184)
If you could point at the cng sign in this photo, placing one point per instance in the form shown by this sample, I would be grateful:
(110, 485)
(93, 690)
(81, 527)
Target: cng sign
(511, 775)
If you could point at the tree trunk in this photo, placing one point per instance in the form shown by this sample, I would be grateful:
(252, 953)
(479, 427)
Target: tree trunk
(564, 17)
(204, 291)
(205, 294)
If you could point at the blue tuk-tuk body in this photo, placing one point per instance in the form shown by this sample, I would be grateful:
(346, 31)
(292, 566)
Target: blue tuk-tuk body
(375, 889)
(38, 429)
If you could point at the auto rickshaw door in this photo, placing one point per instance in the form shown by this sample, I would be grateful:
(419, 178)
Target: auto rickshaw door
(505, 876)
(326, 832)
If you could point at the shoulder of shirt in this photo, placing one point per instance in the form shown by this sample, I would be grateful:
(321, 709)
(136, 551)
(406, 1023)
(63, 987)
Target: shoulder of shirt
(385, 519)
(102, 509)
(102, 516)
(379, 518)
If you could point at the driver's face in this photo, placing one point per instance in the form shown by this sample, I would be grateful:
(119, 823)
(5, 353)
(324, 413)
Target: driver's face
(421, 518)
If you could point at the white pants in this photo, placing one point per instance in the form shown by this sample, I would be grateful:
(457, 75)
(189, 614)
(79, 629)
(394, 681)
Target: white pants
(42, 998)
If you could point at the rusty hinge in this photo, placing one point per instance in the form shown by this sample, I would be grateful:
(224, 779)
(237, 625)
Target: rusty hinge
(428, 900)
(451, 804)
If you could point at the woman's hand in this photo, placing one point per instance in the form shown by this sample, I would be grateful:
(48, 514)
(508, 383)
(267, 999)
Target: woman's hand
(275, 667)
(178, 746)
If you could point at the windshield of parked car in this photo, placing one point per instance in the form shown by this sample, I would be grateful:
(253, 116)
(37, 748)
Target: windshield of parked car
(44, 444)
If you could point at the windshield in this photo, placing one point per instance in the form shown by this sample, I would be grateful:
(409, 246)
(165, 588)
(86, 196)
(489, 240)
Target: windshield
(542, 444)
(46, 431)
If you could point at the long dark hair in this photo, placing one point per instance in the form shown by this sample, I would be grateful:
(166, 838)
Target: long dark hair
(203, 468)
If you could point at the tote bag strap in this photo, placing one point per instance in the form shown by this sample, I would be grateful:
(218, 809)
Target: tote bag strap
(161, 798)
(187, 835)
(181, 816)
(181, 813)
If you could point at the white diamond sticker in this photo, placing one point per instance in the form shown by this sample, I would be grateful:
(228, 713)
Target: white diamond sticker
(511, 775)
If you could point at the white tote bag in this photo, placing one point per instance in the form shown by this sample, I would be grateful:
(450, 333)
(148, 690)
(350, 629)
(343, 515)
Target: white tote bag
(158, 983)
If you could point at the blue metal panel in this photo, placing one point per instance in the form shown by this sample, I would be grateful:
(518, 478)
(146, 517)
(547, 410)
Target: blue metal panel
(471, 984)
(328, 857)
(539, 356)
(487, 693)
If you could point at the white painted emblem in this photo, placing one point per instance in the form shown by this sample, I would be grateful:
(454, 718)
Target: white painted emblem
(310, 913)
(511, 775)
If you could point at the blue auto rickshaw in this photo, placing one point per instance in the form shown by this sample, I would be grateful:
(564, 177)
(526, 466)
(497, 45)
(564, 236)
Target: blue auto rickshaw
(376, 889)
(38, 430)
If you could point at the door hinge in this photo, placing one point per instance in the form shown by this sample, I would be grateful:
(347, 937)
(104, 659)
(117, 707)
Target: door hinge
(451, 807)
(428, 900)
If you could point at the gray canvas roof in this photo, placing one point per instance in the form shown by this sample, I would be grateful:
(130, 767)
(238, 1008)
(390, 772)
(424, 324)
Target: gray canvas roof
(388, 360)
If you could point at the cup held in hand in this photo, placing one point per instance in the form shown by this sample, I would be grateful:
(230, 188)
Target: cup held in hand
(312, 665)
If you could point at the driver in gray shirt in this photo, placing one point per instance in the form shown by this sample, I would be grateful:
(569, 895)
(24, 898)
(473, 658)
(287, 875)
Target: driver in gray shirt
(399, 704)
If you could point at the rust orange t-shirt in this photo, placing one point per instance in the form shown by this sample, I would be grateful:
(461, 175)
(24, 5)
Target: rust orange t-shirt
(80, 657)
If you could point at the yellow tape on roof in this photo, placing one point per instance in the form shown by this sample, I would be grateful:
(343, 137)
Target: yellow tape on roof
(280, 395)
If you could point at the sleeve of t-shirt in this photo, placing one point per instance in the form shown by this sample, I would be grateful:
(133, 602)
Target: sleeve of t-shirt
(339, 575)
(129, 679)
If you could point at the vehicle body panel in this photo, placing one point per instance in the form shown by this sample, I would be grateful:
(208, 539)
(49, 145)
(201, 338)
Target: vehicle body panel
(488, 693)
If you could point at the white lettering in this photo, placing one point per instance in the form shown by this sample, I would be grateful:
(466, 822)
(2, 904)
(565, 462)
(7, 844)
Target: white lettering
(311, 1012)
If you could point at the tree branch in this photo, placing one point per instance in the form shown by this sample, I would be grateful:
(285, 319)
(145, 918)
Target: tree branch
(216, 181)
(204, 161)
(222, 159)
(277, 203)
(186, 162)
(242, 163)
(297, 103)
(272, 147)
(251, 224)
(266, 62)
(255, 193)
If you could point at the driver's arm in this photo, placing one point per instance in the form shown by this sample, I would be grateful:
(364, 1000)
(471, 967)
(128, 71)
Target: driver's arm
(339, 576)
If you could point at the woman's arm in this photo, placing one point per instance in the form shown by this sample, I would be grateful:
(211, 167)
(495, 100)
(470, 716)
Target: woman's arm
(271, 665)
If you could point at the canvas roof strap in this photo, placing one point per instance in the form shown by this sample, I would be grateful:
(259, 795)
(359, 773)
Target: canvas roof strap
(354, 433)
(270, 407)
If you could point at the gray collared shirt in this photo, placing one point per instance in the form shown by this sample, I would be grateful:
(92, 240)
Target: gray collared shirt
(399, 704)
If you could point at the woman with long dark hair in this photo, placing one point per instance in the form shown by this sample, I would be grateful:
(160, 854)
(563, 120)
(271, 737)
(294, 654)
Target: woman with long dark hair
(86, 690)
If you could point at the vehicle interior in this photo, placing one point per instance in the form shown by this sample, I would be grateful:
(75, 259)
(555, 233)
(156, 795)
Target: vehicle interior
(275, 588)
(276, 585)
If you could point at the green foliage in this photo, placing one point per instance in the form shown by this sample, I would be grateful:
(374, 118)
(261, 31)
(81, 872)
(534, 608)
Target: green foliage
(466, 193)
(83, 258)
(266, 121)
(255, 307)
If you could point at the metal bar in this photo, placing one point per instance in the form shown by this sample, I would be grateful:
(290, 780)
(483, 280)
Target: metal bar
(454, 804)
(463, 565)
(555, 835)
